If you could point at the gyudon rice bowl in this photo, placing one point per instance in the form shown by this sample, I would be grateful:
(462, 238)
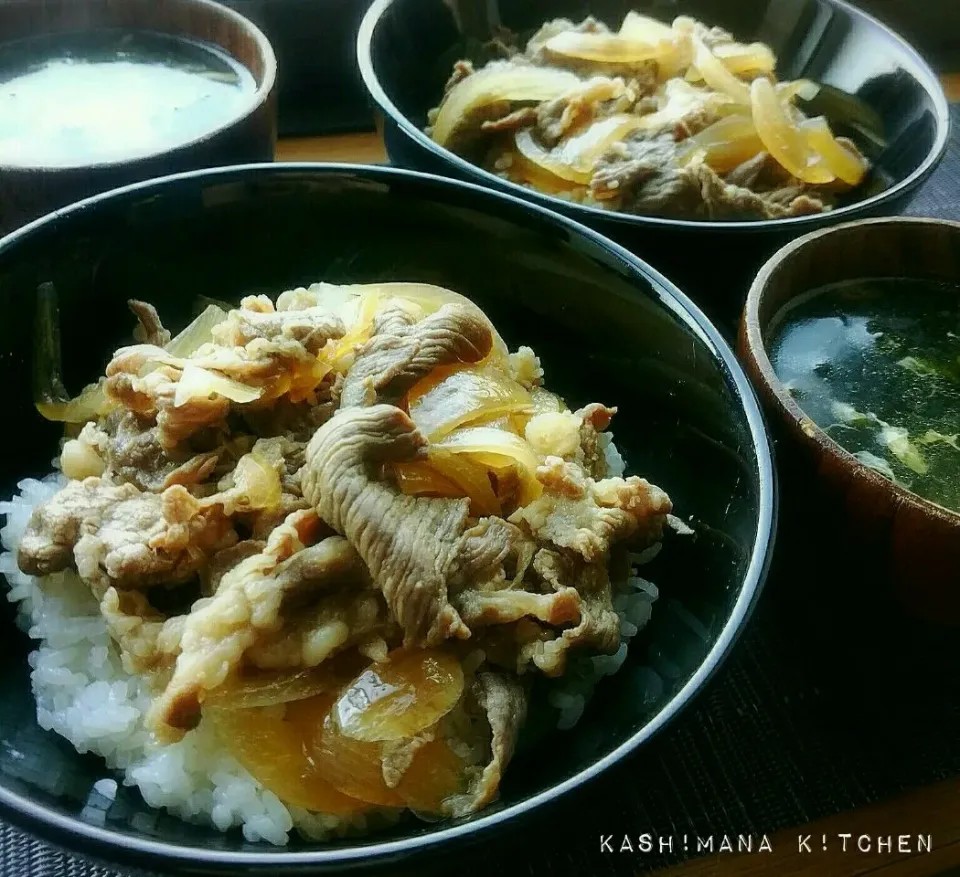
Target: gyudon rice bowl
(677, 120)
(305, 564)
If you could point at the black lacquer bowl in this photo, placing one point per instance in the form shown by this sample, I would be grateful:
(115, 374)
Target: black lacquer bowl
(406, 49)
(606, 326)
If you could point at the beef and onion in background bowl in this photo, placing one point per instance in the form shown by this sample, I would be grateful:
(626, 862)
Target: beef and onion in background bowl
(874, 89)
(605, 327)
(96, 94)
(850, 336)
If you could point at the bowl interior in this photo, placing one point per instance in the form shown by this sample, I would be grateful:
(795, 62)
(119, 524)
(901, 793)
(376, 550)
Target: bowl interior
(415, 42)
(920, 249)
(603, 330)
(199, 21)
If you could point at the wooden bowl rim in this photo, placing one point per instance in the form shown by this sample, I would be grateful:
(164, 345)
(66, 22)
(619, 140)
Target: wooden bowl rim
(755, 351)
(257, 100)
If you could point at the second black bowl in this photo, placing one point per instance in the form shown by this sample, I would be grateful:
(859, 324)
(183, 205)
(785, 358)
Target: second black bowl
(406, 49)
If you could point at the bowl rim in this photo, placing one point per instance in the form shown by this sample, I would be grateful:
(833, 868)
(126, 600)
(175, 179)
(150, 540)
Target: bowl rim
(73, 833)
(754, 347)
(257, 99)
(585, 213)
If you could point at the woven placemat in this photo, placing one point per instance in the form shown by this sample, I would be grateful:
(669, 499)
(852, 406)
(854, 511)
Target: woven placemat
(827, 704)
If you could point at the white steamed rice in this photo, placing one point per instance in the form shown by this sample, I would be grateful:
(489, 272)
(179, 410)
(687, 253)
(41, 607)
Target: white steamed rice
(84, 694)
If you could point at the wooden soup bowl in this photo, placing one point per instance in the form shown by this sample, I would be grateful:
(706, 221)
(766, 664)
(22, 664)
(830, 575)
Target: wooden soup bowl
(27, 192)
(848, 516)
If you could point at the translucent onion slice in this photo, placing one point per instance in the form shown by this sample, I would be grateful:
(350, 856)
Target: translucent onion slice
(785, 142)
(463, 396)
(256, 485)
(198, 333)
(421, 479)
(435, 774)
(544, 401)
(847, 166)
(276, 749)
(401, 697)
(471, 477)
(341, 353)
(498, 449)
(716, 75)
(523, 170)
(50, 396)
(91, 404)
(201, 383)
(607, 48)
(499, 83)
(587, 147)
(269, 688)
(548, 161)
(679, 99)
(724, 145)
(740, 58)
(644, 29)
(805, 89)
(351, 766)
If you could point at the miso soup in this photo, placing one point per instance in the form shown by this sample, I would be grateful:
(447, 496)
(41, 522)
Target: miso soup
(876, 364)
(92, 97)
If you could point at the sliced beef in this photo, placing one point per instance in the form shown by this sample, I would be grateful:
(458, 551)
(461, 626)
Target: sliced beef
(246, 606)
(225, 560)
(311, 634)
(117, 535)
(410, 544)
(598, 626)
(587, 516)
(403, 350)
(149, 328)
(131, 448)
(146, 639)
(311, 327)
(504, 702)
(481, 608)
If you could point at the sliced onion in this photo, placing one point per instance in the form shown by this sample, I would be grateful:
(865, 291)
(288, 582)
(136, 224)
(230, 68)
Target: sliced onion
(642, 28)
(523, 170)
(435, 774)
(716, 75)
(741, 58)
(352, 766)
(91, 404)
(724, 145)
(607, 48)
(401, 697)
(269, 688)
(548, 161)
(199, 332)
(462, 396)
(847, 166)
(256, 485)
(421, 479)
(498, 449)
(805, 89)
(201, 383)
(359, 327)
(507, 82)
(545, 402)
(786, 143)
(679, 99)
(589, 145)
(277, 751)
